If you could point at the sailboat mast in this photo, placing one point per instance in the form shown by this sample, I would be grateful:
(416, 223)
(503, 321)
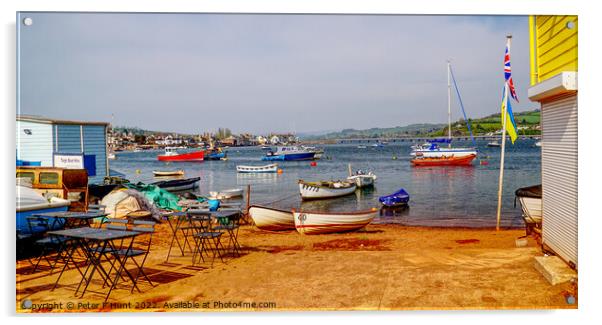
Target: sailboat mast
(449, 102)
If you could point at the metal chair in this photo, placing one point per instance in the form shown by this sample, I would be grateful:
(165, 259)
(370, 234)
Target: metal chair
(230, 226)
(38, 227)
(140, 248)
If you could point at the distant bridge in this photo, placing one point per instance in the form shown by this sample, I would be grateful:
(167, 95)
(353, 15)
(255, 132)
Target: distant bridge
(424, 139)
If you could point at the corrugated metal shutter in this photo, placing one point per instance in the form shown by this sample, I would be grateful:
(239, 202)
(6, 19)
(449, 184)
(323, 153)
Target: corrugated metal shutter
(559, 176)
(69, 138)
(95, 144)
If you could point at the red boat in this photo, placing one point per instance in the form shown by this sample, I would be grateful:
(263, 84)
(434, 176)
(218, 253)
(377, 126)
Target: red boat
(171, 154)
(444, 161)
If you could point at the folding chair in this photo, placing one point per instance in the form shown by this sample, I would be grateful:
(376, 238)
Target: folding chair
(206, 241)
(38, 226)
(140, 248)
(197, 222)
(230, 226)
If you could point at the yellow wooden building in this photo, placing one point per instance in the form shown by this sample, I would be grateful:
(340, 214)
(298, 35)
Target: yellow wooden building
(553, 49)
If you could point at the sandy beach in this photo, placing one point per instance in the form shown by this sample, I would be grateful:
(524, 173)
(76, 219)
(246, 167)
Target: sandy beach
(385, 267)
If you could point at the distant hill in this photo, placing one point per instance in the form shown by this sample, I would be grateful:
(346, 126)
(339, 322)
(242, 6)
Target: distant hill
(528, 121)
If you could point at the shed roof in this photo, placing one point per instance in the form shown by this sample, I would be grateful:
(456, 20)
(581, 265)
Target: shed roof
(41, 119)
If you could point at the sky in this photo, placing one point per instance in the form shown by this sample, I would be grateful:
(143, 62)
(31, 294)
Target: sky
(195, 73)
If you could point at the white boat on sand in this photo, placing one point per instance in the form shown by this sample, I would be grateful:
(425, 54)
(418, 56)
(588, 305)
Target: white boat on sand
(310, 223)
(271, 168)
(271, 219)
(226, 194)
(325, 189)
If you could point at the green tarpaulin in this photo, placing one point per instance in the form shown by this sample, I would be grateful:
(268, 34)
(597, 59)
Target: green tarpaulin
(159, 197)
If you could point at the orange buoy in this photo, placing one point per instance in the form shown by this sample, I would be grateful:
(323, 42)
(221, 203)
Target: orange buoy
(313, 164)
(279, 171)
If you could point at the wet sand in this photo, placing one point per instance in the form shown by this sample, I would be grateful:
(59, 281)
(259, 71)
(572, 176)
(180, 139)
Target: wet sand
(385, 267)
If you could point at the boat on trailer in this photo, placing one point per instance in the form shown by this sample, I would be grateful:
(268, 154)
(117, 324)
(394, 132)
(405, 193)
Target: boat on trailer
(325, 189)
(271, 219)
(530, 200)
(311, 223)
(399, 198)
(171, 154)
(271, 168)
(162, 173)
(176, 185)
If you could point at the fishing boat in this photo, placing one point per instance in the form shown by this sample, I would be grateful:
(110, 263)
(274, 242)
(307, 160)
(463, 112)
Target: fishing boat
(530, 201)
(318, 152)
(271, 219)
(325, 189)
(361, 178)
(226, 194)
(176, 185)
(160, 173)
(431, 149)
(312, 223)
(271, 168)
(289, 153)
(215, 154)
(29, 203)
(399, 198)
(450, 160)
(171, 154)
(493, 144)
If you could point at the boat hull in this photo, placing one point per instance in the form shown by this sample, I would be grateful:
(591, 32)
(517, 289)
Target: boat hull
(177, 185)
(168, 173)
(311, 192)
(270, 219)
(444, 161)
(226, 194)
(272, 168)
(444, 152)
(290, 157)
(362, 180)
(313, 223)
(190, 156)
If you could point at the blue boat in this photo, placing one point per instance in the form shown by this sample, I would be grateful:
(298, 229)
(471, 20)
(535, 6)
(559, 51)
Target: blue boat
(30, 203)
(289, 153)
(398, 198)
(216, 156)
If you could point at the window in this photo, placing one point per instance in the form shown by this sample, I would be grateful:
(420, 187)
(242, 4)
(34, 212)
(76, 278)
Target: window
(29, 175)
(49, 178)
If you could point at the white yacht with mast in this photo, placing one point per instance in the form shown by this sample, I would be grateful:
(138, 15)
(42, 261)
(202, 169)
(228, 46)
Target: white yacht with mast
(431, 148)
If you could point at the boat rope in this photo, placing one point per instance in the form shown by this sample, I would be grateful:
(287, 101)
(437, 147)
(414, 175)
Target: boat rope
(281, 199)
(462, 106)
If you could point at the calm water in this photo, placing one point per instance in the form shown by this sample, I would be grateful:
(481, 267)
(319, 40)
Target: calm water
(439, 196)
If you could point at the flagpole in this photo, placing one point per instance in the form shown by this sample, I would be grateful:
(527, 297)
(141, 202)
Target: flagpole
(503, 148)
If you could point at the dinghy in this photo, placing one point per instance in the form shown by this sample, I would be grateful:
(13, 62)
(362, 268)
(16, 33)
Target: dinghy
(310, 223)
(160, 173)
(325, 189)
(362, 179)
(494, 144)
(271, 168)
(271, 219)
(530, 201)
(176, 185)
(226, 194)
(396, 199)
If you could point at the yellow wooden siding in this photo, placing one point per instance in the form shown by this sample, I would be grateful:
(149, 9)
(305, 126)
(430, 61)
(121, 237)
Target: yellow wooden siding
(555, 46)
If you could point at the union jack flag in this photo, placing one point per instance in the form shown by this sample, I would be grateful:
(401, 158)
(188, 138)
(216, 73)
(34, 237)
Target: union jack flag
(508, 74)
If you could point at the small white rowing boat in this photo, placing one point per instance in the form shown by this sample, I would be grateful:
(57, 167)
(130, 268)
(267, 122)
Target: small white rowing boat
(271, 168)
(226, 194)
(168, 173)
(271, 219)
(362, 179)
(311, 223)
(325, 189)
